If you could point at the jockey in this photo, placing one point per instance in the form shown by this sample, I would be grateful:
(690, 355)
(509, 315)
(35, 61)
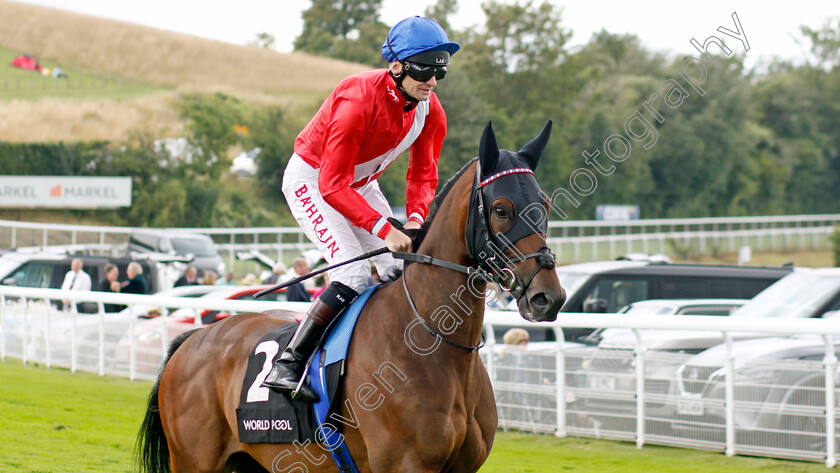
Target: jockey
(330, 182)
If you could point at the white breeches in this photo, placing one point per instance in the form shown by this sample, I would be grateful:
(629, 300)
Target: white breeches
(334, 236)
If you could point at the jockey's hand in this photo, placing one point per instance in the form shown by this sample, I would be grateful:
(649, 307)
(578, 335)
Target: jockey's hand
(412, 225)
(398, 241)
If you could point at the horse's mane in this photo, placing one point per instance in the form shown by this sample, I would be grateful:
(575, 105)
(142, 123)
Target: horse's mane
(439, 198)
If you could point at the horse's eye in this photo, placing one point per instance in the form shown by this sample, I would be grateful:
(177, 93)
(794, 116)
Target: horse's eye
(500, 212)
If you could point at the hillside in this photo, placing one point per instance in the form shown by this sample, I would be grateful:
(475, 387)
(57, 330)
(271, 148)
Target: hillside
(163, 63)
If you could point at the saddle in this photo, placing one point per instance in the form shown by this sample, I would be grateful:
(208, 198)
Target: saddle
(266, 416)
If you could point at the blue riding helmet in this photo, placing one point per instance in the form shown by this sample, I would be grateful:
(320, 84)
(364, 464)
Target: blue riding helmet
(416, 35)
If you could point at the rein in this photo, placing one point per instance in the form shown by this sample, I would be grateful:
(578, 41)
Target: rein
(487, 253)
(432, 331)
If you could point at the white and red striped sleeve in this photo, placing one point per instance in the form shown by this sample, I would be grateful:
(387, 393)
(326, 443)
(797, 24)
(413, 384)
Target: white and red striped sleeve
(422, 175)
(342, 140)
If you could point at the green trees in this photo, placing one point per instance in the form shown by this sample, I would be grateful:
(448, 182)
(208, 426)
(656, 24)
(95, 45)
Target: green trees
(349, 30)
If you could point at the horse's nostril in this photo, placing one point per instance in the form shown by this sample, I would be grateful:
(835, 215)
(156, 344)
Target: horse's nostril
(540, 301)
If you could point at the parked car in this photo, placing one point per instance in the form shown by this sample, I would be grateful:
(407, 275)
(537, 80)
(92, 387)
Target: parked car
(148, 334)
(240, 293)
(196, 249)
(191, 291)
(47, 270)
(611, 368)
(779, 393)
(86, 328)
(803, 293)
(608, 286)
(659, 339)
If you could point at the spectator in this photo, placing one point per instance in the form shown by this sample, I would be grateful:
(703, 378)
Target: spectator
(250, 279)
(278, 273)
(516, 336)
(135, 284)
(321, 282)
(516, 367)
(110, 284)
(297, 292)
(190, 277)
(513, 356)
(76, 279)
(209, 278)
(228, 280)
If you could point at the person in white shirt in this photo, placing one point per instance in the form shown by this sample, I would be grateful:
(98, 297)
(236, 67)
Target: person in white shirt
(76, 279)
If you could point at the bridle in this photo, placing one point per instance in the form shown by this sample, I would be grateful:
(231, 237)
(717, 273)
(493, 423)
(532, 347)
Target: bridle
(488, 249)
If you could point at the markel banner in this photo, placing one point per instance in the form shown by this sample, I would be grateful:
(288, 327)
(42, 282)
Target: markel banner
(65, 192)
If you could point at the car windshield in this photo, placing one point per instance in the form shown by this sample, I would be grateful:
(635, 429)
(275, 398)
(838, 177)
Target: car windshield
(571, 282)
(7, 266)
(799, 294)
(194, 246)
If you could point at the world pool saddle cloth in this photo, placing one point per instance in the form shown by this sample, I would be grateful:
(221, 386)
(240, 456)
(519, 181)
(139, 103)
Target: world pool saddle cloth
(266, 416)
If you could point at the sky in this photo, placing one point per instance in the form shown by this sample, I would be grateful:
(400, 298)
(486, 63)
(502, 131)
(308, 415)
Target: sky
(664, 26)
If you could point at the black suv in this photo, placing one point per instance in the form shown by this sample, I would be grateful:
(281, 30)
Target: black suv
(47, 270)
(608, 286)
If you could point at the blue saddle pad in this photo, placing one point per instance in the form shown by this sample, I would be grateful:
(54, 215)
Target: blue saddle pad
(334, 351)
(338, 341)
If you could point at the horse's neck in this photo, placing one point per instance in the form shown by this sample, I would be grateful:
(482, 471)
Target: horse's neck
(448, 301)
(450, 296)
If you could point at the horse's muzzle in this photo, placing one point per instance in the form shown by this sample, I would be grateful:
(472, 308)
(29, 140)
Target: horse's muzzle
(542, 304)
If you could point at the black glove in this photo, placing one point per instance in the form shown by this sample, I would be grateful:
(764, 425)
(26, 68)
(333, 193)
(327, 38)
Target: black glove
(410, 232)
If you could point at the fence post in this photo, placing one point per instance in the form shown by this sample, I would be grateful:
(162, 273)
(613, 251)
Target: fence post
(164, 332)
(3, 329)
(48, 334)
(560, 367)
(730, 396)
(231, 254)
(132, 347)
(25, 329)
(830, 362)
(101, 344)
(639, 354)
(256, 248)
(490, 334)
(73, 344)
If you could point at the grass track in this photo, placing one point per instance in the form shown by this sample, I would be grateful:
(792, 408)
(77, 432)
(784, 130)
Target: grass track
(57, 422)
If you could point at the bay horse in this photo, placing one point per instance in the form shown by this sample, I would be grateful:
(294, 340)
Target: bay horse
(409, 402)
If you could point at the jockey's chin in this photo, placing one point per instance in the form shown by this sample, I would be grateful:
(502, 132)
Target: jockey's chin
(419, 90)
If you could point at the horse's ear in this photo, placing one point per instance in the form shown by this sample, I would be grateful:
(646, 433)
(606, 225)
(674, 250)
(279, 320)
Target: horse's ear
(533, 150)
(488, 150)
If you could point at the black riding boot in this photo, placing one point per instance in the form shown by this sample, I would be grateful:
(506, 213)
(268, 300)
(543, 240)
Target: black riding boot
(287, 370)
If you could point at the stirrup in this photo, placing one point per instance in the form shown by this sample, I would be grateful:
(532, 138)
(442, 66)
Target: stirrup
(305, 373)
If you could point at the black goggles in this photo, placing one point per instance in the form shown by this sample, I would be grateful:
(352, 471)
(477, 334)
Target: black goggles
(424, 73)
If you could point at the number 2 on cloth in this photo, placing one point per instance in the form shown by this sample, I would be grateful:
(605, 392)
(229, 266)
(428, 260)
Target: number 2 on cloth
(258, 393)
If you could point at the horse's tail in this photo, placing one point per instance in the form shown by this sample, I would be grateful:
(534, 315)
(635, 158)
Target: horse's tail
(152, 450)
